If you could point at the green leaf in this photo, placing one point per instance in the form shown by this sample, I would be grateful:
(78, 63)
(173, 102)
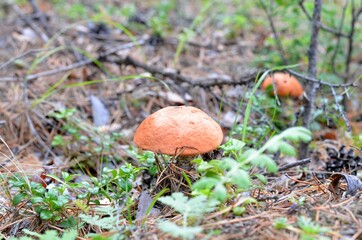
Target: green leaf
(280, 223)
(195, 206)
(94, 190)
(228, 163)
(248, 153)
(232, 145)
(61, 201)
(239, 177)
(203, 166)
(287, 149)
(18, 198)
(205, 183)
(310, 227)
(46, 214)
(179, 232)
(261, 177)
(297, 134)
(37, 200)
(58, 141)
(220, 192)
(69, 235)
(238, 210)
(271, 166)
(17, 182)
(51, 234)
(68, 223)
(265, 161)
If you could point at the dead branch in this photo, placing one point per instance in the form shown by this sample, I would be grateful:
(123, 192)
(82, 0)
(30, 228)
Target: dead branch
(294, 164)
(320, 81)
(31, 51)
(74, 65)
(217, 79)
(212, 80)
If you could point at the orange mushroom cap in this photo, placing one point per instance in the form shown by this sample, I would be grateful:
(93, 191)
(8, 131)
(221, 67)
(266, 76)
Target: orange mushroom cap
(172, 128)
(285, 84)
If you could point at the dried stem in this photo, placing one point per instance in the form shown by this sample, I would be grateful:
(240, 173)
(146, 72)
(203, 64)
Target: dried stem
(294, 164)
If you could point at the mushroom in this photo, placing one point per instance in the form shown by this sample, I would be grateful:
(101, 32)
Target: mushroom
(285, 85)
(181, 130)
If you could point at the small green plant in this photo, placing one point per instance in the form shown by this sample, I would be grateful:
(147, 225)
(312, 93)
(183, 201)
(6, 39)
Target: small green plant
(300, 201)
(192, 211)
(50, 204)
(106, 217)
(68, 127)
(76, 136)
(50, 234)
(280, 223)
(310, 229)
(146, 160)
(307, 228)
(217, 176)
(77, 11)
(159, 23)
(114, 184)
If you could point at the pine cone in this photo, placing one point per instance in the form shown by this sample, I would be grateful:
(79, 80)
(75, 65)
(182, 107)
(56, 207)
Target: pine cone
(343, 161)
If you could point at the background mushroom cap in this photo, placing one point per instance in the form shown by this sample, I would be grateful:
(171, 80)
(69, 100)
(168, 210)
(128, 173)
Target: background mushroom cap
(285, 84)
(174, 127)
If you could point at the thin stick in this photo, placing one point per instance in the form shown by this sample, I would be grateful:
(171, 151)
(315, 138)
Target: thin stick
(294, 164)
(319, 81)
(4, 65)
(75, 65)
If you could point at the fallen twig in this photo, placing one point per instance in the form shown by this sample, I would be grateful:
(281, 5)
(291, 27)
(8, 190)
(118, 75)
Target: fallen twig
(4, 65)
(74, 65)
(212, 80)
(294, 164)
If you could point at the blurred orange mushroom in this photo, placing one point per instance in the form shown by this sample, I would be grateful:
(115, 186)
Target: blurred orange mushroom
(285, 85)
(181, 130)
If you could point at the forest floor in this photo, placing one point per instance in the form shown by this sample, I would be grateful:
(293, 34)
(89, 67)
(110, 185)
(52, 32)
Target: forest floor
(72, 94)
